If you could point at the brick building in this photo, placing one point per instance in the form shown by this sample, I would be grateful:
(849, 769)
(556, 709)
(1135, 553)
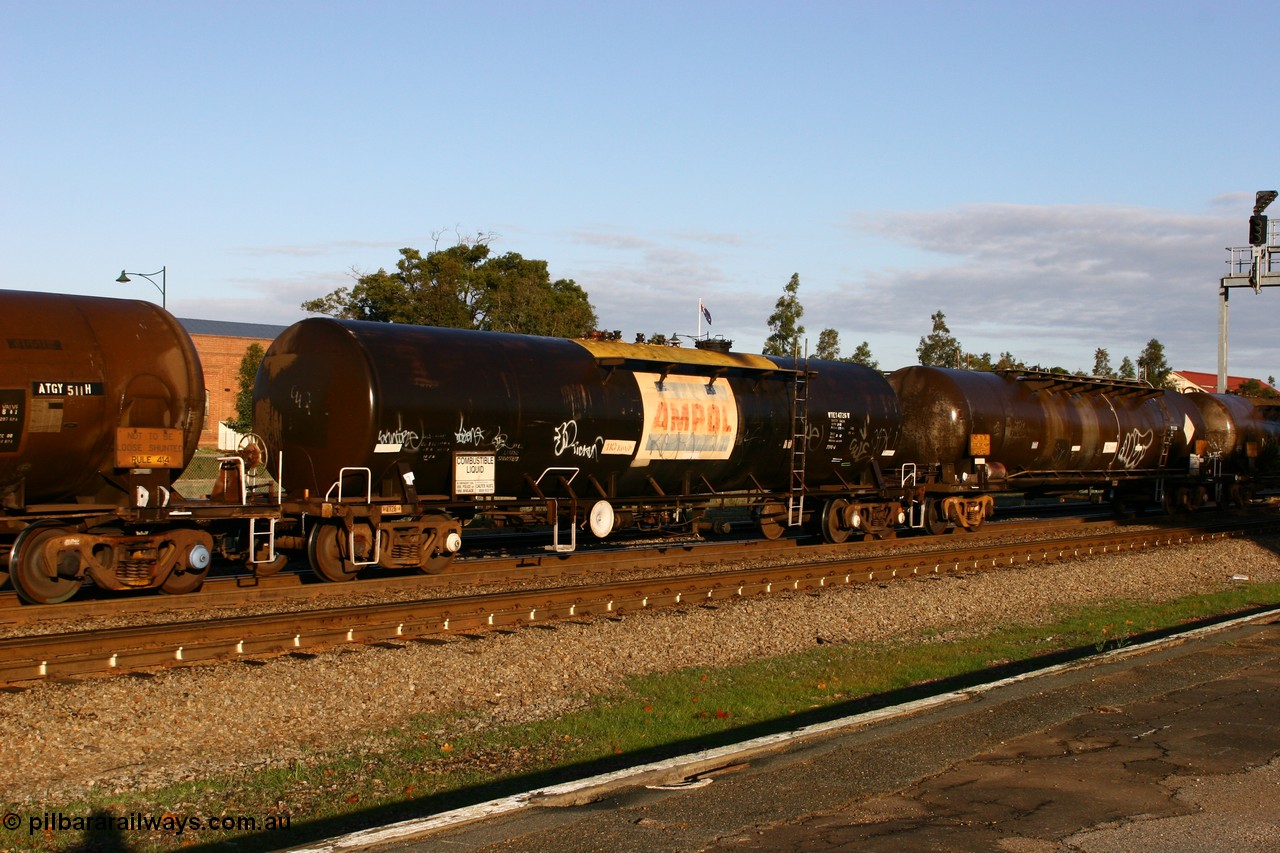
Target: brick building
(222, 345)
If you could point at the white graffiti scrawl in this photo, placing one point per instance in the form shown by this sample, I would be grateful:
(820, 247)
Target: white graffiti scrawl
(1135, 444)
(403, 438)
(468, 435)
(566, 441)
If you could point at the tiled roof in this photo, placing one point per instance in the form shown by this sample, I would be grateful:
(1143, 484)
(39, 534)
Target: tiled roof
(1209, 381)
(231, 329)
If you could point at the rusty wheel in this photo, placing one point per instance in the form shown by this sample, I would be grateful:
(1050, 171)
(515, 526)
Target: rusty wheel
(262, 570)
(442, 542)
(326, 551)
(834, 528)
(772, 516)
(437, 562)
(31, 561)
(181, 581)
(192, 565)
(935, 524)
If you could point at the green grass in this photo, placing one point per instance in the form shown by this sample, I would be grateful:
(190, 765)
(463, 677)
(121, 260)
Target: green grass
(434, 763)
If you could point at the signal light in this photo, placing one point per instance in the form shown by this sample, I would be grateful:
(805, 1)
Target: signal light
(1257, 230)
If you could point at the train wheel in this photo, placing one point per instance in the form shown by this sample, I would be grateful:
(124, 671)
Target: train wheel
(772, 516)
(30, 560)
(189, 573)
(183, 581)
(437, 562)
(263, 570)
(934, 522)
(326, 551)
(834, 528)
(441, 541)
(1177, 501)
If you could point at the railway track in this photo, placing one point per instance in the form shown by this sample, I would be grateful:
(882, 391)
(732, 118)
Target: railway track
(114, 650)
(296, 584)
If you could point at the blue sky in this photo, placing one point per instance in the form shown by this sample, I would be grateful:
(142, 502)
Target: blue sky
(1054, 177)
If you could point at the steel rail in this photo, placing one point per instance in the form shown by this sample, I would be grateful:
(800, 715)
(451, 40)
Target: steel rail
(251, 637)
(239, 590)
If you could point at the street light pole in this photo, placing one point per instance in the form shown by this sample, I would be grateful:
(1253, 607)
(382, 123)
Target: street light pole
(124, 279)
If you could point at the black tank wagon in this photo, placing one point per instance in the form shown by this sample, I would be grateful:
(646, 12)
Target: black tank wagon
(405, 430)
(972, 434)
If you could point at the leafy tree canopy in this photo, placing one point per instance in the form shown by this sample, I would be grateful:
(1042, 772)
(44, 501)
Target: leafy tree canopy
(862, 355)
(465, 287)
(1102, 364)
(828, 345)
(1254, 388)
(1154, 367)
(939, 348)
(784, 322)
(245, 376)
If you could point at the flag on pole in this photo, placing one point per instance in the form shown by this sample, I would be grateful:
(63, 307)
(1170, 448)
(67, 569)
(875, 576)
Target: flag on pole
(705, 312)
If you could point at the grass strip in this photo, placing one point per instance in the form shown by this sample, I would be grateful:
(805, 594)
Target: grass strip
(438, 762)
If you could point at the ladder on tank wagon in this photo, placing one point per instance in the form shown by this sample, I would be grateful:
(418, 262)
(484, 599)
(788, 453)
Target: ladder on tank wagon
(799, 443)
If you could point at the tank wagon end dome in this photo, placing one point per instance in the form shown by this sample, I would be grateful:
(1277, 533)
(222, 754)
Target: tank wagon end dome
(79, 369)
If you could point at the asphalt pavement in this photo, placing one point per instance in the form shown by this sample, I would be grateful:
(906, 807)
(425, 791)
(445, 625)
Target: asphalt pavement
(1172, 748)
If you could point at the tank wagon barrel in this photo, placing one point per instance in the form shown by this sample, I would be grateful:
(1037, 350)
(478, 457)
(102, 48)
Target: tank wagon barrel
(435, 422)
(975, 433)
(101, 406)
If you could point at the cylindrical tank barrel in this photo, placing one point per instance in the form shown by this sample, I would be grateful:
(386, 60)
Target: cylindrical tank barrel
(1245, 437)
(462, 414)
(1041, 424)
(90, 385)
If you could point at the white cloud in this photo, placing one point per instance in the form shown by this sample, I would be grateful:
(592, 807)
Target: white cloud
(1050, 283)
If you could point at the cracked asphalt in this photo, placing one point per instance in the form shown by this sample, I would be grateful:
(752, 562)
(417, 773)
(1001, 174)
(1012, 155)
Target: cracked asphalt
(1170, 750)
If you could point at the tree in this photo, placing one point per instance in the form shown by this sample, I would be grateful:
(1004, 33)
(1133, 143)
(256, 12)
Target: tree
(1008, 362)
(828, 345)
(978, 361)
(1127, 370)
(862, 355)
(1154, 367)
(248, 372)
(939, 348)
(784, 322)
(1102, 364)
(463, 287)
(1254, 388)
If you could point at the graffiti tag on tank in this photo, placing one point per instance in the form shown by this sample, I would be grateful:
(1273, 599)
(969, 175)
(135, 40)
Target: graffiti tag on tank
(1133, 447)
(866, 443)
(685, 418)
(396, 440)
(466, 435)
(566, 441)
